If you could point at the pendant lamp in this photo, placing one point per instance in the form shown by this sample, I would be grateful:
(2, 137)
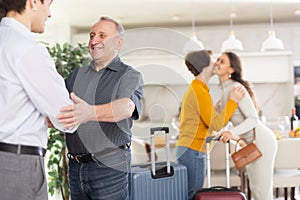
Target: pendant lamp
(272, 43)
(193, 44)
(232, 44)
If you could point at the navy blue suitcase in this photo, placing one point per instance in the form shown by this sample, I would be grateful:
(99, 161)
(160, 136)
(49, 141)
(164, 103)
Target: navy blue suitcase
(159, 181)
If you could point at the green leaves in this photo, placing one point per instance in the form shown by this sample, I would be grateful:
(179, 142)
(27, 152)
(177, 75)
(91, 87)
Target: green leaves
(56, 147)
(67, 57)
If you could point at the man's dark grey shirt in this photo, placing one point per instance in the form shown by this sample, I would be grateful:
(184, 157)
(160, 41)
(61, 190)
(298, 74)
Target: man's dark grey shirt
(116, 81)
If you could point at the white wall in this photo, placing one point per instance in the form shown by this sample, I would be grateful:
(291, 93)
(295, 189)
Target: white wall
(58, 33)
(251, 35)
(272, 97)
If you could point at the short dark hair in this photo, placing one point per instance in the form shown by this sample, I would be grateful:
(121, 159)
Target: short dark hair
(191, 68)
(197, 60)
(2, 13)
(2, 10)
(13, 5)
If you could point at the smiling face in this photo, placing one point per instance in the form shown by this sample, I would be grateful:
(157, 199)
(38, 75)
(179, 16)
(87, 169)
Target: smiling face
(223, 67)
(41, 12)
(105, 41)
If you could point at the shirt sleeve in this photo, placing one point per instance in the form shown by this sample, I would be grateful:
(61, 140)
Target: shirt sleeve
(248, 110)
(44, 86)
(208, 114)
(131, 85)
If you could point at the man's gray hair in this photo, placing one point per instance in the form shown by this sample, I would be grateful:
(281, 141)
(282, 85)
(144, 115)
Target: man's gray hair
(119, 26)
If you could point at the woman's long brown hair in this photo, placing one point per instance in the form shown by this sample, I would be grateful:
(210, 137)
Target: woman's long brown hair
(237, 75)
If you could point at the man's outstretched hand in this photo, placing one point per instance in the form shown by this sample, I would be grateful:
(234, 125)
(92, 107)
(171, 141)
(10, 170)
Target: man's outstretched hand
(78, 113)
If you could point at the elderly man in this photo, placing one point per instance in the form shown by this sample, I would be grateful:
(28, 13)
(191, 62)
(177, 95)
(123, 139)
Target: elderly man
(99, 151)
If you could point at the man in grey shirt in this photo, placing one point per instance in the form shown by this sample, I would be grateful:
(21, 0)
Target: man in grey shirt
(99, 151)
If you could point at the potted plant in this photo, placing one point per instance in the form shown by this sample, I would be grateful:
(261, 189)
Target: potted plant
(67, 57)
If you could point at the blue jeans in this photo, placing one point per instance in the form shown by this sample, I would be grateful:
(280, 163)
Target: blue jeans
(96, 181)
(195, 162)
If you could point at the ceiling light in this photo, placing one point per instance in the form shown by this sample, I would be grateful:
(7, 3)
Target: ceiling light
(272, 43)
(193, 44)
(232, 44)
(175, 17)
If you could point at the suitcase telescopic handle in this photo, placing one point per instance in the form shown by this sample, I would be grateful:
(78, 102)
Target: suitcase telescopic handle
(208, 140)
(153, 131)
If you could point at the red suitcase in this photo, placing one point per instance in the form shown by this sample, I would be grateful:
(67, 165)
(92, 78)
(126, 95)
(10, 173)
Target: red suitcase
(218, 192)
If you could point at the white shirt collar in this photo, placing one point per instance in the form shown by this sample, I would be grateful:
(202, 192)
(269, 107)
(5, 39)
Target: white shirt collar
(12, 23)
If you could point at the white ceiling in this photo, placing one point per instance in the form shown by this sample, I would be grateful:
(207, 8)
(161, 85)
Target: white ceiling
(141, 13)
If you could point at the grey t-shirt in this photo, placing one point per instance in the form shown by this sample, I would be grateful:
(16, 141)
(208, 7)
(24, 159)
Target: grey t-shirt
(116, 81)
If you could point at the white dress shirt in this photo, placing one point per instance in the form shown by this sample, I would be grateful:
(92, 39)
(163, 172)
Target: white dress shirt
(30, 87)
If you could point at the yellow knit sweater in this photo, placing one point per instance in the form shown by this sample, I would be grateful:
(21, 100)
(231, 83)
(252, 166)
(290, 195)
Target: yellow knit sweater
(198, 117)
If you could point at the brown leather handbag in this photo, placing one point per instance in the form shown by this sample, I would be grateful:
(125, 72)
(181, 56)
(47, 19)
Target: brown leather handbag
(247, 154)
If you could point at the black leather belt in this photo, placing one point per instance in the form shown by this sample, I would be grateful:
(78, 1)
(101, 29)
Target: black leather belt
(83, 158)
(22, 149)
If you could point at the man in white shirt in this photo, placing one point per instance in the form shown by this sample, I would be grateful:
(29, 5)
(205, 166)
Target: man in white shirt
(30, 91)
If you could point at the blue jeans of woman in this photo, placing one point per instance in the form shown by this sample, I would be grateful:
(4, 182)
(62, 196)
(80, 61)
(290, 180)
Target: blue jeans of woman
(97, 181)
(195, 162)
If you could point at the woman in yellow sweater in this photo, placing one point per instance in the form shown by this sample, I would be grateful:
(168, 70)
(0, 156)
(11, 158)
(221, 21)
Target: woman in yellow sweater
(198, 118)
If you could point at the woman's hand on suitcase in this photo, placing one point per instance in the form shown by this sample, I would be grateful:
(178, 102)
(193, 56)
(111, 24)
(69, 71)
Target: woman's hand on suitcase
(225, 136)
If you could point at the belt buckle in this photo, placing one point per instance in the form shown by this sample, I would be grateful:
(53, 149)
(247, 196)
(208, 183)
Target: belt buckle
(77, 158)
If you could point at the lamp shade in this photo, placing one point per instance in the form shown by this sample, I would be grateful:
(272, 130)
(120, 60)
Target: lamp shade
(232, 44)
(272, 43)
(193, 45)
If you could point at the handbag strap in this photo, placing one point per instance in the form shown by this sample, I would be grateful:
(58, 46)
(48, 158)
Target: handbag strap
(244, 140)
